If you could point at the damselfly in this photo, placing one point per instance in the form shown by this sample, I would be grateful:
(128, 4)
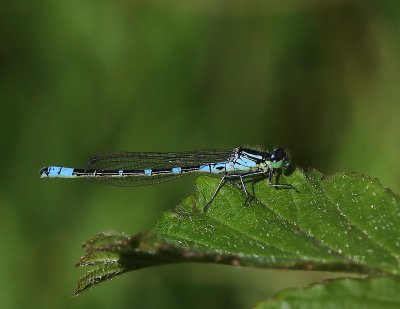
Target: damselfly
(145, 168)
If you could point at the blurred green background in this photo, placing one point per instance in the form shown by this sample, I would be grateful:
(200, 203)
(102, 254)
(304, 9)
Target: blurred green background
(85, 77)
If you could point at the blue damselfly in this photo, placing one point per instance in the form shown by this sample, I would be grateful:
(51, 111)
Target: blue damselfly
(146, 168)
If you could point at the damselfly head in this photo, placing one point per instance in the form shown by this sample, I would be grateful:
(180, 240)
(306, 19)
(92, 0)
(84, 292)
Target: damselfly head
(279, 158)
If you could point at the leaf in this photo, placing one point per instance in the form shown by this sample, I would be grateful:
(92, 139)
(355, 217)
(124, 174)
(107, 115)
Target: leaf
(345, 222)
(341, 293)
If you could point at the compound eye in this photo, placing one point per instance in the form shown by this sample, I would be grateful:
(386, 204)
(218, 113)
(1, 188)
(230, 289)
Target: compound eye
(278, 154)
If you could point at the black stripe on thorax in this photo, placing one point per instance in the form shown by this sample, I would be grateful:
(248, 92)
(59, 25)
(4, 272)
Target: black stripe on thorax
(251, 154)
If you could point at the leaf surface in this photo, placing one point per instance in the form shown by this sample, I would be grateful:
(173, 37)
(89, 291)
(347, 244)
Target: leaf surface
(345, 222)
(371, 293)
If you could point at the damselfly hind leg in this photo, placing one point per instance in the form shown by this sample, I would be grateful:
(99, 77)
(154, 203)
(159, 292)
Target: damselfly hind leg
(221, 183)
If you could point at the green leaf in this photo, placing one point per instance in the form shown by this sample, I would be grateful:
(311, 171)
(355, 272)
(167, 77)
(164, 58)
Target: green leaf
(345, 222)
(341, 293)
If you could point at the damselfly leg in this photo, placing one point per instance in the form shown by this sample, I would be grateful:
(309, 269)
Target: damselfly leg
(278, 185)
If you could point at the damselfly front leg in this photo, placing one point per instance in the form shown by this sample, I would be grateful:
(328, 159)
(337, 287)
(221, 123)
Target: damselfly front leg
(270, 173)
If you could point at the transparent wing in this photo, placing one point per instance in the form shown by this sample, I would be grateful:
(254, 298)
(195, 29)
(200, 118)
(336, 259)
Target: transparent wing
(151, 160)
(146, 160)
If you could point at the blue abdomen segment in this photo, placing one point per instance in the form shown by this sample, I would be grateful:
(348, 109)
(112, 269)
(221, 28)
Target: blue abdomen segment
(244, 164)
(240, 165)
(176, 170)
(57, 172)
(217, 168)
